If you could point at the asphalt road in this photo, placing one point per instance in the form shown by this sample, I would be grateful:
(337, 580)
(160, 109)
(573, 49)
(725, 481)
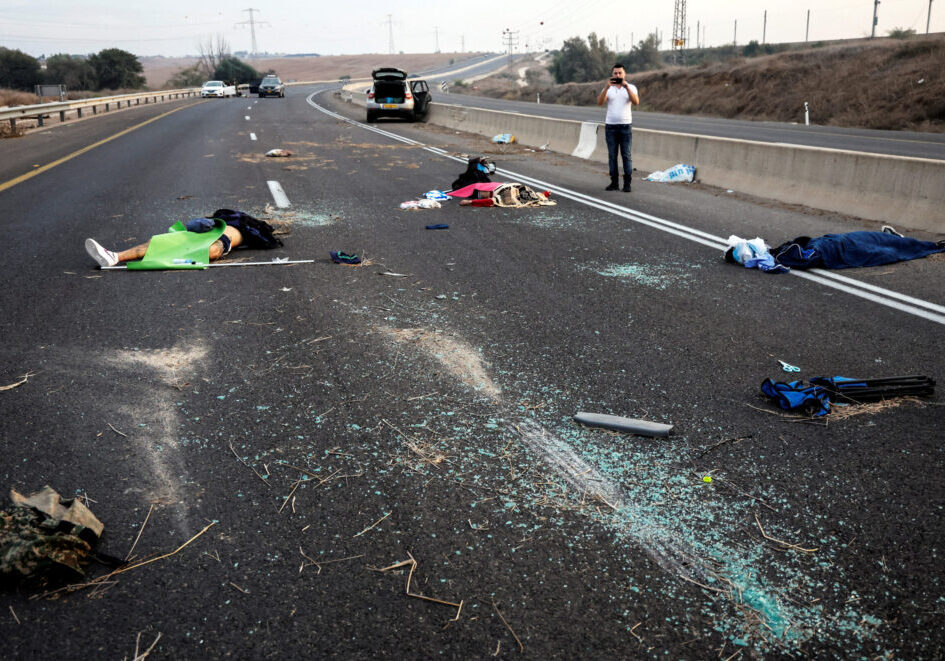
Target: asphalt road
(897, 143)
(334, 421)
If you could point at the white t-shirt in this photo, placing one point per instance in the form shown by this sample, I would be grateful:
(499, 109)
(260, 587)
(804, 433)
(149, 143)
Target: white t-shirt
(618, 105)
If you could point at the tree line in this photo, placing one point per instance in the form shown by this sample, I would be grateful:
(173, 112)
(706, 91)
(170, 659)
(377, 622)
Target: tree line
(581, 61)
(113, 69)
(110, 68)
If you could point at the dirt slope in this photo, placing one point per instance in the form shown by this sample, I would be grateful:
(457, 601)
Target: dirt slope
(884, 84)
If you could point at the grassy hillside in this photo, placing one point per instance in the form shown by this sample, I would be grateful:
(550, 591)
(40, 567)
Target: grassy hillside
(881, 84)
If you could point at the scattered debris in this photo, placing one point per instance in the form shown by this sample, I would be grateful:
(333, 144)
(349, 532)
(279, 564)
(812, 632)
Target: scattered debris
(319, 563)
(141, 656)
(23, 379)
(394, 275)
(45, 534)
(412, 563)
(507, 626)
(782, 543)
(414, 205)
(278, 153)
(339, 257)
(618, 423)
(440, 226)
(503, 139)
(373, 525)
(786, 367)
(676, 174)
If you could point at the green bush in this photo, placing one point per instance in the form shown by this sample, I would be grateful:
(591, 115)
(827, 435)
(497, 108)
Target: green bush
(76, 73)
(18, 70)
(117, 69)
(235, 71)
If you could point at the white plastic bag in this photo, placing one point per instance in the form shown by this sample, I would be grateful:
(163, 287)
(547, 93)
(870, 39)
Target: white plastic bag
(678, 173)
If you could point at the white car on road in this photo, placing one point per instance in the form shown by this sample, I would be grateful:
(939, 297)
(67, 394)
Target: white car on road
(217, 88)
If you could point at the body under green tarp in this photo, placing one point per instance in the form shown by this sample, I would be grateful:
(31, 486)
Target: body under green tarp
(179, 249)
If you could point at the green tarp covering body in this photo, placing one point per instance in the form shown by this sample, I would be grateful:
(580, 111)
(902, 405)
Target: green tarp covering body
(179, 249)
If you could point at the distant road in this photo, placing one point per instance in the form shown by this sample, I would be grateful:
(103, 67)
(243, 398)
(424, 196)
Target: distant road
(465, 69)
(897, 143)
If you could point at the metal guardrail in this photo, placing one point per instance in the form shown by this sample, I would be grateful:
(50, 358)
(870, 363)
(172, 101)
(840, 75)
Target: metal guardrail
(39, 111)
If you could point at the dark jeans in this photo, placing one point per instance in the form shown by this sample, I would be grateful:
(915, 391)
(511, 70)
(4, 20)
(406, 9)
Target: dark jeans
(619, 136)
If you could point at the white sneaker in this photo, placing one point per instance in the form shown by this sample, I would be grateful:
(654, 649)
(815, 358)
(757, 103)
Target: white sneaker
(99, 254)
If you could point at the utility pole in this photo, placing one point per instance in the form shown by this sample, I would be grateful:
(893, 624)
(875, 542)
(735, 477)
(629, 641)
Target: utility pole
(764, 29)
(462, 44)
(510, 39)
(929, 19)
(252, 27)
(875, 18)
(735, 35)
(436, 32)
(807, 29)
(679, 28)
(390, 34)
(698, 43)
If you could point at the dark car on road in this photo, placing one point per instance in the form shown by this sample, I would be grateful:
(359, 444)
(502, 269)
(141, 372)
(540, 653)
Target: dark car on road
(393, 95)
(271, 86)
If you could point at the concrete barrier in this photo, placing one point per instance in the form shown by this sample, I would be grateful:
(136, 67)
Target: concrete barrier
(907, 192)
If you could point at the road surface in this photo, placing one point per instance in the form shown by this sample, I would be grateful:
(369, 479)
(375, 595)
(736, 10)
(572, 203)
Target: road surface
(333, 424)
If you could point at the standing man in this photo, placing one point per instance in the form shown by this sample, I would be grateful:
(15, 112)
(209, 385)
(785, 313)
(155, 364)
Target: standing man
(619, 96)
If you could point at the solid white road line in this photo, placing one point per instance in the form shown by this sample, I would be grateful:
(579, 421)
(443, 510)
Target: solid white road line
(247, 118)
(278, 194)
(252, 136)
(892, 299)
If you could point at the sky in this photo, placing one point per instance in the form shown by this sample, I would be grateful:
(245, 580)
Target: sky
(176, 27)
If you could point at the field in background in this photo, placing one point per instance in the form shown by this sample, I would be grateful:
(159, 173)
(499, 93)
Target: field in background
(881, 84)
(158, 70)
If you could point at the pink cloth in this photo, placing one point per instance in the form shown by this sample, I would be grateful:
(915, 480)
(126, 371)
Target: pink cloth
(466, 191)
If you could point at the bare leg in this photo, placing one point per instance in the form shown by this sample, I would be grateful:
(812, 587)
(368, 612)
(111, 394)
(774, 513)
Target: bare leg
(137, 252)
(216, 248)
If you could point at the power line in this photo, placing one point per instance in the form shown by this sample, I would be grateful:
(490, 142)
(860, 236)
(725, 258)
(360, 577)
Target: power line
(510, 39)
(252, 27)
(679, 28)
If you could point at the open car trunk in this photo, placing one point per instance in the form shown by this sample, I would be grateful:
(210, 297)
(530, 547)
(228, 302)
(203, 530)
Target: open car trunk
(389, 91)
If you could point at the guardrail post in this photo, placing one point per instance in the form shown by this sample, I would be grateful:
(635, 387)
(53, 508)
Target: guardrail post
(78, 113)
(62, 116)
(40, 118)
(94, 110)
(137, 102)
(13, 124)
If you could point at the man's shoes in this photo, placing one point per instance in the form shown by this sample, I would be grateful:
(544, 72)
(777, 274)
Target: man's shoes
(613, 185)
(99, 254)
(626, 185)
